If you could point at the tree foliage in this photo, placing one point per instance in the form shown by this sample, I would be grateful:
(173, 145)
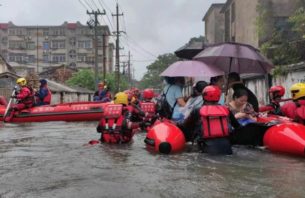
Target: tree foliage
(85, 78)
(197, 39)
(151, 78)
(279, 39)
(298, 22)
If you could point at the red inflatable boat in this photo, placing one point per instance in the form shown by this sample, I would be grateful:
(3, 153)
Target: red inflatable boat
(165, 137)
(284, 136)
(75, 111)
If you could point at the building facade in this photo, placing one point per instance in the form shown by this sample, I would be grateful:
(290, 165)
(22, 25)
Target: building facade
(240, 18)
(39, 48)
(214, 24)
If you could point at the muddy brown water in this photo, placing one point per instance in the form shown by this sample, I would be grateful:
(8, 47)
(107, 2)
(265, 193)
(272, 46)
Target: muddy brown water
(52, 160)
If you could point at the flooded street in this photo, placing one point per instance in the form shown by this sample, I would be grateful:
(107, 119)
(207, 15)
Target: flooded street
(53, 160)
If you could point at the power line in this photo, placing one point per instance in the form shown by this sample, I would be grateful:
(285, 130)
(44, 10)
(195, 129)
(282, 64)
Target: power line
(83, 4)
(88, 5)
(148, 52)
(110, 23)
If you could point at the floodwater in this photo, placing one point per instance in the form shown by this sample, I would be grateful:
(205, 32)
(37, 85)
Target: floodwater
(53, 160)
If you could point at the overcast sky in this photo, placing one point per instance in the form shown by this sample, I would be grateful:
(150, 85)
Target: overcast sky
(153, 27)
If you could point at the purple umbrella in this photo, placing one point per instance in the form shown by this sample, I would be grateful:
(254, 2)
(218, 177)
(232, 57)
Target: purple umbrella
(235, 57)
(191, 69)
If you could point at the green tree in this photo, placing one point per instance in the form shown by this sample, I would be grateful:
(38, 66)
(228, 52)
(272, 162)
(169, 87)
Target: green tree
(276, 38)
(197, 39)
(85, 78)
(298, 22)
(151, 78)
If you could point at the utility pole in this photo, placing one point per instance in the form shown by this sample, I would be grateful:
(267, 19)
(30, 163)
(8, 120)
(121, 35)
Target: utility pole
(96, 14)
(117, 49)
(104, 56)
(128, 69)
(37, 47)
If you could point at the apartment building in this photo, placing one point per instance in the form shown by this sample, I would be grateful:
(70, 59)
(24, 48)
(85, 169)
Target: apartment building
(39, 48)
(239, 19)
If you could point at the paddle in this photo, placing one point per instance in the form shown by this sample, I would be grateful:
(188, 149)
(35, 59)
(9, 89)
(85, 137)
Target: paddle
(9, 103)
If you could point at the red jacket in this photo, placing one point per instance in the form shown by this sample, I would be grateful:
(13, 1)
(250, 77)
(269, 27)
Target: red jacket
(25, 96)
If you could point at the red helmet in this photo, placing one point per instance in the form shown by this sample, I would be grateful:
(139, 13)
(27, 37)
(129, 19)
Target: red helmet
(211, 93)
(148, 94)
(278, 90)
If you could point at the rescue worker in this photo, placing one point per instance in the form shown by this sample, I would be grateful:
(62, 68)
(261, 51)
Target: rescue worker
(275, 95)
(209, 124)
(44, 95)
(25, 99)
(103, 93)
(116, 125)
(296, 108)
(148, 107)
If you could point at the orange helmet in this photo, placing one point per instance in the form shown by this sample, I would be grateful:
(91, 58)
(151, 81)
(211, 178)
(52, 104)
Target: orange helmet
(211, 93)
(148, 94)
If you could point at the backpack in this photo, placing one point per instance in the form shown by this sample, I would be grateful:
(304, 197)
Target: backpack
(164, 109)
(214, 120)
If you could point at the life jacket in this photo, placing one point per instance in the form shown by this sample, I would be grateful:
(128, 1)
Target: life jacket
(47, 99)
(300, 111)
(289, 109)
(149, 108)
(214, 120)
(26, 96)
(111, 125)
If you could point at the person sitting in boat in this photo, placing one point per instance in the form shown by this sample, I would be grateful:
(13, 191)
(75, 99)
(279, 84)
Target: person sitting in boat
(296, 108)
(148, 107)
(210, 124)
(241, 109)
(25, 99)
(103, 93)
(43, 95)
(116, 125)
(235, 83)
(195, 100)
(275, 95)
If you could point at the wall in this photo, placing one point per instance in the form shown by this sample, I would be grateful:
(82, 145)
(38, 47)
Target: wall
(296, 74)
(214, 25)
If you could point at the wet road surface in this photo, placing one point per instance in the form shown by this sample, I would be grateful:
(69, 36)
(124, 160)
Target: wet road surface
(53, 160)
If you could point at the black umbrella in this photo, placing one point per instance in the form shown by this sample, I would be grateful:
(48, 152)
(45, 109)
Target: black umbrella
(189, 50)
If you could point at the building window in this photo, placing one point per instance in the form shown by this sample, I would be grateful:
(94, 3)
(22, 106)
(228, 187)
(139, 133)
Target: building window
(45, 58)
(19, 58)
(81, 58)
(31, 58)
(31, 45)
(85, 44)
(17, 45)
(72, 54)
(58, 44)
(58, 32)
(59, 58)
(45, 32)
(45, 45)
